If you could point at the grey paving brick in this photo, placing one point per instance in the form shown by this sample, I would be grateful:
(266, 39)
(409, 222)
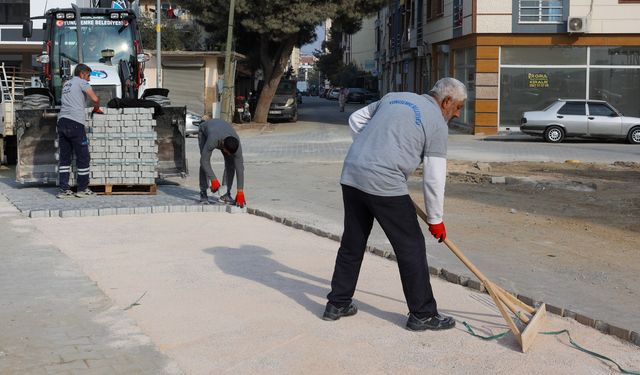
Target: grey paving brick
(587, 321)
(569, 314)
(142, 210)
(554, 309)
(159, 209)
(89, 212)
(107, 211)
(601, 326)
(435, 271)
(237, 210)
(213, 208)
(194, 208)
(463, 280)
(124, 210)
(525, 299)
(177, 208)
(39, 213)
(622, 333)
(69, 213)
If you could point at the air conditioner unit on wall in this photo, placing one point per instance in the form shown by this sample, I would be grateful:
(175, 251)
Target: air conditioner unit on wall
(577, 25)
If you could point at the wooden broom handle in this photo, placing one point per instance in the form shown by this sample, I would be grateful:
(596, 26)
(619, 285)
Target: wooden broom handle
(455, 250)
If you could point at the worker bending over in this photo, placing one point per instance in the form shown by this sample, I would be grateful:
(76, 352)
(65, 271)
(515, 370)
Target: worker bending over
(219, 134)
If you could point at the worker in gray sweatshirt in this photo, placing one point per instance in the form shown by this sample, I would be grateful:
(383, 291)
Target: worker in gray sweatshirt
(391, 138)
(219, 134)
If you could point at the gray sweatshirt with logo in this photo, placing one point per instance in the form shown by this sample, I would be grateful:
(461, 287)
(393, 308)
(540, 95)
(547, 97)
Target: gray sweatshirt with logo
(391, 137)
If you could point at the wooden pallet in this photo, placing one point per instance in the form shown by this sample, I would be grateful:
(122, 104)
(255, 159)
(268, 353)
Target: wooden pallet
(118, 189)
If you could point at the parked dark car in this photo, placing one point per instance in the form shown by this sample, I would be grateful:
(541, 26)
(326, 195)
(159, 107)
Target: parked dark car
(580, 118)
(357, 95)
(284, 104)
(372, 96)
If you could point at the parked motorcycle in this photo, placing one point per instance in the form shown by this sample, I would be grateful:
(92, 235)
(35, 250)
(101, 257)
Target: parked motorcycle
(242, 112)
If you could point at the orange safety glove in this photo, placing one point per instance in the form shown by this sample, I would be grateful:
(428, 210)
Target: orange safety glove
(215, 185)
(97, 110)
(240, 199)
(438, 231)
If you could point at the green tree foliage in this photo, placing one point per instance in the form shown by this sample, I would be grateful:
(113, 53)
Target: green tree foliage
(267, 30)
(329, 60)
(171, 40)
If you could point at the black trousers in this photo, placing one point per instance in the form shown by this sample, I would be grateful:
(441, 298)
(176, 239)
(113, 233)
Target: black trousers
(397, 217)
(72, 139)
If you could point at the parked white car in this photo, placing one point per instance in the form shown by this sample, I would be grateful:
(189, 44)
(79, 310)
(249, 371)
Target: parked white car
(580, 118)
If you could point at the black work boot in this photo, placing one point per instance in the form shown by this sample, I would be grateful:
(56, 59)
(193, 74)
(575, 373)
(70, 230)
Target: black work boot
(203, 198)
(334, 313)
(434, 323)
(227, 199)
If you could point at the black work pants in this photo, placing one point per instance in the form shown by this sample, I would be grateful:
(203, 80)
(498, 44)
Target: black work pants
(72, 139)
(397, 217)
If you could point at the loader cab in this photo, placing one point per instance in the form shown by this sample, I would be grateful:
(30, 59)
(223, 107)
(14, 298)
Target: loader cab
(108, 41)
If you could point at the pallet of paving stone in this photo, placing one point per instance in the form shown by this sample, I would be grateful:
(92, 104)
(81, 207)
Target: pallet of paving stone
(117, 189)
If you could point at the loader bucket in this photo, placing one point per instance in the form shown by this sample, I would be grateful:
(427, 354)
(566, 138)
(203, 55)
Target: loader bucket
(170, 126)
(36, 141)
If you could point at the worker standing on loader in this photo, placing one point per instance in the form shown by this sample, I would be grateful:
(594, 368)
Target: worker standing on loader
(391, 137)
(219, 134)
(72, 137)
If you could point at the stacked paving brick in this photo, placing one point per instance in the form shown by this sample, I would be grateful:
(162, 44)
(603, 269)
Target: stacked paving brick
(123, 149)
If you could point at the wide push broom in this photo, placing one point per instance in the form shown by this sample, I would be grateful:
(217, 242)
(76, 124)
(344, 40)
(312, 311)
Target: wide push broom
(532, 318)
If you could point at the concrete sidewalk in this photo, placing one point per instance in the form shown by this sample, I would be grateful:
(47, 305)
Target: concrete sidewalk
(239, 293)
(55, 319)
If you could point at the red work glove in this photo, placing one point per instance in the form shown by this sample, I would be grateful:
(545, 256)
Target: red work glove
(215, 185)
(97, 110)
(240, 199)
(438, 231)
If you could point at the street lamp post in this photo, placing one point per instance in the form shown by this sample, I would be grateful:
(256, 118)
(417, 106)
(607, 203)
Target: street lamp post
(226, 112)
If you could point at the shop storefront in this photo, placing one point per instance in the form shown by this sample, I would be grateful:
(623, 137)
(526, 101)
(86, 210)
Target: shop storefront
(533, 77)
(507, 74)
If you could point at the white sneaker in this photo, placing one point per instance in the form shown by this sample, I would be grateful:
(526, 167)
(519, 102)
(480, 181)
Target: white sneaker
(65, 194)
(85, 193)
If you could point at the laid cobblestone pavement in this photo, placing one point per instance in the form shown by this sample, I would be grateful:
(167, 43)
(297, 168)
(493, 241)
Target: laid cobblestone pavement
(40, 201)
(55, 320)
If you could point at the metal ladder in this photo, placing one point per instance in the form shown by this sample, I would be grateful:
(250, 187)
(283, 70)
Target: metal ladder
(5, 87)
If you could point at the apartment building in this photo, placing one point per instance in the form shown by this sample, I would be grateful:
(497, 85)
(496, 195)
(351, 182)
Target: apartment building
(15, 51)
(513, 55)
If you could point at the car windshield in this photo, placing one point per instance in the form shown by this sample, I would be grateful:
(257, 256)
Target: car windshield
(98, 33)
(286, 88)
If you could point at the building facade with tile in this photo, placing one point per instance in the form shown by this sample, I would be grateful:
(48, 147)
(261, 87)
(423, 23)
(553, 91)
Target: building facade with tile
(513, 55)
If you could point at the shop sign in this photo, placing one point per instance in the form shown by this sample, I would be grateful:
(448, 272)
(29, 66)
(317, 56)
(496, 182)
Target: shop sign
(538, 80)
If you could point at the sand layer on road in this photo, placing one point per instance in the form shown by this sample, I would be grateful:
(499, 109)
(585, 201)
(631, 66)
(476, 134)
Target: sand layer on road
(241, 293)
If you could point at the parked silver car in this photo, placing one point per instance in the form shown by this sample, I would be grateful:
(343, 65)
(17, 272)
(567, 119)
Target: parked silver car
(580, 118)
(193, 124)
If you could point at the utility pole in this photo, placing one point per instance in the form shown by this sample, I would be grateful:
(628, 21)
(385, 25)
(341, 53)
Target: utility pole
(158, 46)
(226, 112)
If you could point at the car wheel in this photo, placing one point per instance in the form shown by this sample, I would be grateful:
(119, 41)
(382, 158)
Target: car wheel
(554, 134)
(634, 135)
(294, 118)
